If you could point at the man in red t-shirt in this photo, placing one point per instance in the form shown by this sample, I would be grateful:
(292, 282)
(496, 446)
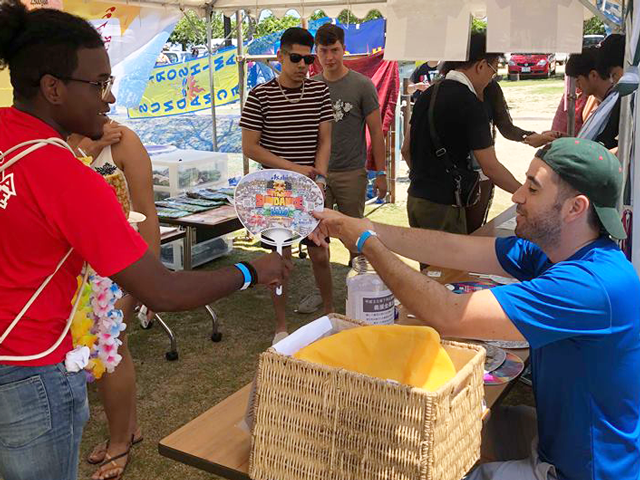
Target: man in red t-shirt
(50, 204)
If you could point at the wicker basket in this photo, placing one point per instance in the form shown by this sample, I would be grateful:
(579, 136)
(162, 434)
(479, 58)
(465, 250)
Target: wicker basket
(314, 422)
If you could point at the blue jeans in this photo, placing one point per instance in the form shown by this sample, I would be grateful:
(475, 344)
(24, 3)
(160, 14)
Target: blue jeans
(42, 413)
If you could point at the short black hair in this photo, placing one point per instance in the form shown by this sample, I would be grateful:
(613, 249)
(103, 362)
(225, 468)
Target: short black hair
(610, 54)
(328, 34)
(296, 36)
(582, 63)
(477, 52)
(39, 42)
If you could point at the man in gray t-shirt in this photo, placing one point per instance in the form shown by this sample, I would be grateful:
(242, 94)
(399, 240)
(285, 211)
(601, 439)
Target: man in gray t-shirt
(355, 106)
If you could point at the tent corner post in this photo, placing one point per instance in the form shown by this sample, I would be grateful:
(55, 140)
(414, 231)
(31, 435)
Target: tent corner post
(240, 60)
(214, 129)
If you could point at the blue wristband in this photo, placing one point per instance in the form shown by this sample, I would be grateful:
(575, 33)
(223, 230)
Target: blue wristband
(379, 173)
(246, 274)
(363, 238)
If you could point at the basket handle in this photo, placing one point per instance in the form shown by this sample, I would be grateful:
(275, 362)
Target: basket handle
(460, 389)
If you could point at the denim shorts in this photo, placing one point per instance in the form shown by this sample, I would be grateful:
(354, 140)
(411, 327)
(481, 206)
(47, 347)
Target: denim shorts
(42, 413)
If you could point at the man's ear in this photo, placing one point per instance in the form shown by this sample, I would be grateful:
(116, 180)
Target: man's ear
(53, 89)
(280, 55)
(578, 206)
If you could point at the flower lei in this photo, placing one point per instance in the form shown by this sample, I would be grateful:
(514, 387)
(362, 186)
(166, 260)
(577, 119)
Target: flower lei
(97, 325)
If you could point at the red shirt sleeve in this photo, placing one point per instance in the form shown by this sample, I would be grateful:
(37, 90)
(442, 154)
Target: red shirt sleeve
(85, 211)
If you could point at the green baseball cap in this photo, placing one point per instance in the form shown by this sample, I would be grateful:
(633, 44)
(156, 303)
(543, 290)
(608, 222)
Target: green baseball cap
(593, 171)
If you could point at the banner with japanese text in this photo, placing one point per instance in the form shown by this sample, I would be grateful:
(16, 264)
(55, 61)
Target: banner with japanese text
(184, 87)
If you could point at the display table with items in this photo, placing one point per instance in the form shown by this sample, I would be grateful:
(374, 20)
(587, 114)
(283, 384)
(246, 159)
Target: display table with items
(207, 216)
(321, 428)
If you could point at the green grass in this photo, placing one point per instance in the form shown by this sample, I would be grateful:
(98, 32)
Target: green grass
(532, 82)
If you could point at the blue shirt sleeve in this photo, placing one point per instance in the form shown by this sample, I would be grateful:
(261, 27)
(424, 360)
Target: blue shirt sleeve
(520, 258)
(565, 301)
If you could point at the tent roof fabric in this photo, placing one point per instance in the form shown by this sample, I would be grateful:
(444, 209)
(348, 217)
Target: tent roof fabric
(304, 7)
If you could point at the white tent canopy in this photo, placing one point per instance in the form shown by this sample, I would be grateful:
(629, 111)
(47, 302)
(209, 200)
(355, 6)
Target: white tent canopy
(306, 8)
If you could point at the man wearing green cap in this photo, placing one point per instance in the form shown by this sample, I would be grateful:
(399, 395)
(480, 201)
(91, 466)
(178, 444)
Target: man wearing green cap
(576, 304)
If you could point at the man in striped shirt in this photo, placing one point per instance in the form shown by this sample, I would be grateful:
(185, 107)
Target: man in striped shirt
(286, 124)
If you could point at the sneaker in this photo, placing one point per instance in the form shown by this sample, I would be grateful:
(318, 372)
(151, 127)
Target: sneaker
(310, 303)
(279, 336)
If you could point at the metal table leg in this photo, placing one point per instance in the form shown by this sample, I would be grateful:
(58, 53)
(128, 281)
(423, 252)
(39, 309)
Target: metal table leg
(216, 336)
(172, 354)
(188, 242)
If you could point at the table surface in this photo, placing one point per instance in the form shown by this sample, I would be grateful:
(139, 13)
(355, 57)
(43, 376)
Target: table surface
(208, 218)
(214, 442)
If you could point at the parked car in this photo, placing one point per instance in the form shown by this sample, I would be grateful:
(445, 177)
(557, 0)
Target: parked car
(534, 64)
(591, 40)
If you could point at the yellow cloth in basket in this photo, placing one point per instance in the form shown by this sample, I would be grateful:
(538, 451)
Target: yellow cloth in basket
(410, 355)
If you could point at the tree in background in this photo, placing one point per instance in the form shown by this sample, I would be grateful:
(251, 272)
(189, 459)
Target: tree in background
(593, 26)
(478, 25)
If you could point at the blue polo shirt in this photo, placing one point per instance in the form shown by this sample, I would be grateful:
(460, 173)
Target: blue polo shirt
(581, 317)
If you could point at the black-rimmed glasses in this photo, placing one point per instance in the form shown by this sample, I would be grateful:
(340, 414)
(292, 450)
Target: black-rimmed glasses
(105, 85)
(495, 71)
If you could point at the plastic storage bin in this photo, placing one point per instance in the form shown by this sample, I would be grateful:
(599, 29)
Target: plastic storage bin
(178, 171)
(172, 254)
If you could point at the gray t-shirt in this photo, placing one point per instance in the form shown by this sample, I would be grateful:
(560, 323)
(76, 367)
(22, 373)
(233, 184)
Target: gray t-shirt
(353, 98)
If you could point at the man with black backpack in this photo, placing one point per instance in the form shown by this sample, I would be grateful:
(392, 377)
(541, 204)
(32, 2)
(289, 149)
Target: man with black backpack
(450, 132)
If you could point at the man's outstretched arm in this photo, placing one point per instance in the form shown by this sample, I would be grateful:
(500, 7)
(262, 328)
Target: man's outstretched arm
(165, 291)
(474, 315)
(446, 250)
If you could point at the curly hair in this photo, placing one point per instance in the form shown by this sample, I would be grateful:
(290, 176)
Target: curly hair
(39, 42)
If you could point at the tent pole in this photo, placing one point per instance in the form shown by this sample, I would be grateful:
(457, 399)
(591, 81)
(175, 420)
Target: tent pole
(571, 107)
(241, 77)
(214, 130)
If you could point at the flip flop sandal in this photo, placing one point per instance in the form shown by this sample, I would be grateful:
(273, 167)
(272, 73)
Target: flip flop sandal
(109, 459)
(112, 460)
(101, 449)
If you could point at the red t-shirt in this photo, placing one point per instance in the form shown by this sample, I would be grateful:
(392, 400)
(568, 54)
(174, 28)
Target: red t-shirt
(49, 202)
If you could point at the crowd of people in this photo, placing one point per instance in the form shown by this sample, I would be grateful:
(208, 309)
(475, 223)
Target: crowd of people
(575, 302)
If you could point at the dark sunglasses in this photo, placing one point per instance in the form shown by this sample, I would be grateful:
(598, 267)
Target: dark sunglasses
(296, 57)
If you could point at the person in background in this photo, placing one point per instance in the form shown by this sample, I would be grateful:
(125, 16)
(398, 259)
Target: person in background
(425, 74)
(195, 53)
(599, 84)
(62, 214)
(610, 58)
(355, 110)
(286, 123)
(576, 303)
(121, 147)
(463, 127)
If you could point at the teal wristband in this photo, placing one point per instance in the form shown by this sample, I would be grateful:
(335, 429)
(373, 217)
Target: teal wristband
(379, 173)
(363, 238)
(246, 274)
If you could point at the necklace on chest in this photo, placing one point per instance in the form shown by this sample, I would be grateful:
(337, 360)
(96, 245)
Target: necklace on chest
(284, 94)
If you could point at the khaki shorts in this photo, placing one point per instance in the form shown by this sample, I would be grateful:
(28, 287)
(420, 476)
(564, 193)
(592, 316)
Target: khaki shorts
(348, 190)
(435, 216)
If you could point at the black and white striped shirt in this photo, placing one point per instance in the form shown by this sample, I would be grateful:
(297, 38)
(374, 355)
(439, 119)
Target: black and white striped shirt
(289, 130)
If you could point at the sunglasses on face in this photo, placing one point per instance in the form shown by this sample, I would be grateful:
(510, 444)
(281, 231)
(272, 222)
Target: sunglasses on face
(296, 57)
